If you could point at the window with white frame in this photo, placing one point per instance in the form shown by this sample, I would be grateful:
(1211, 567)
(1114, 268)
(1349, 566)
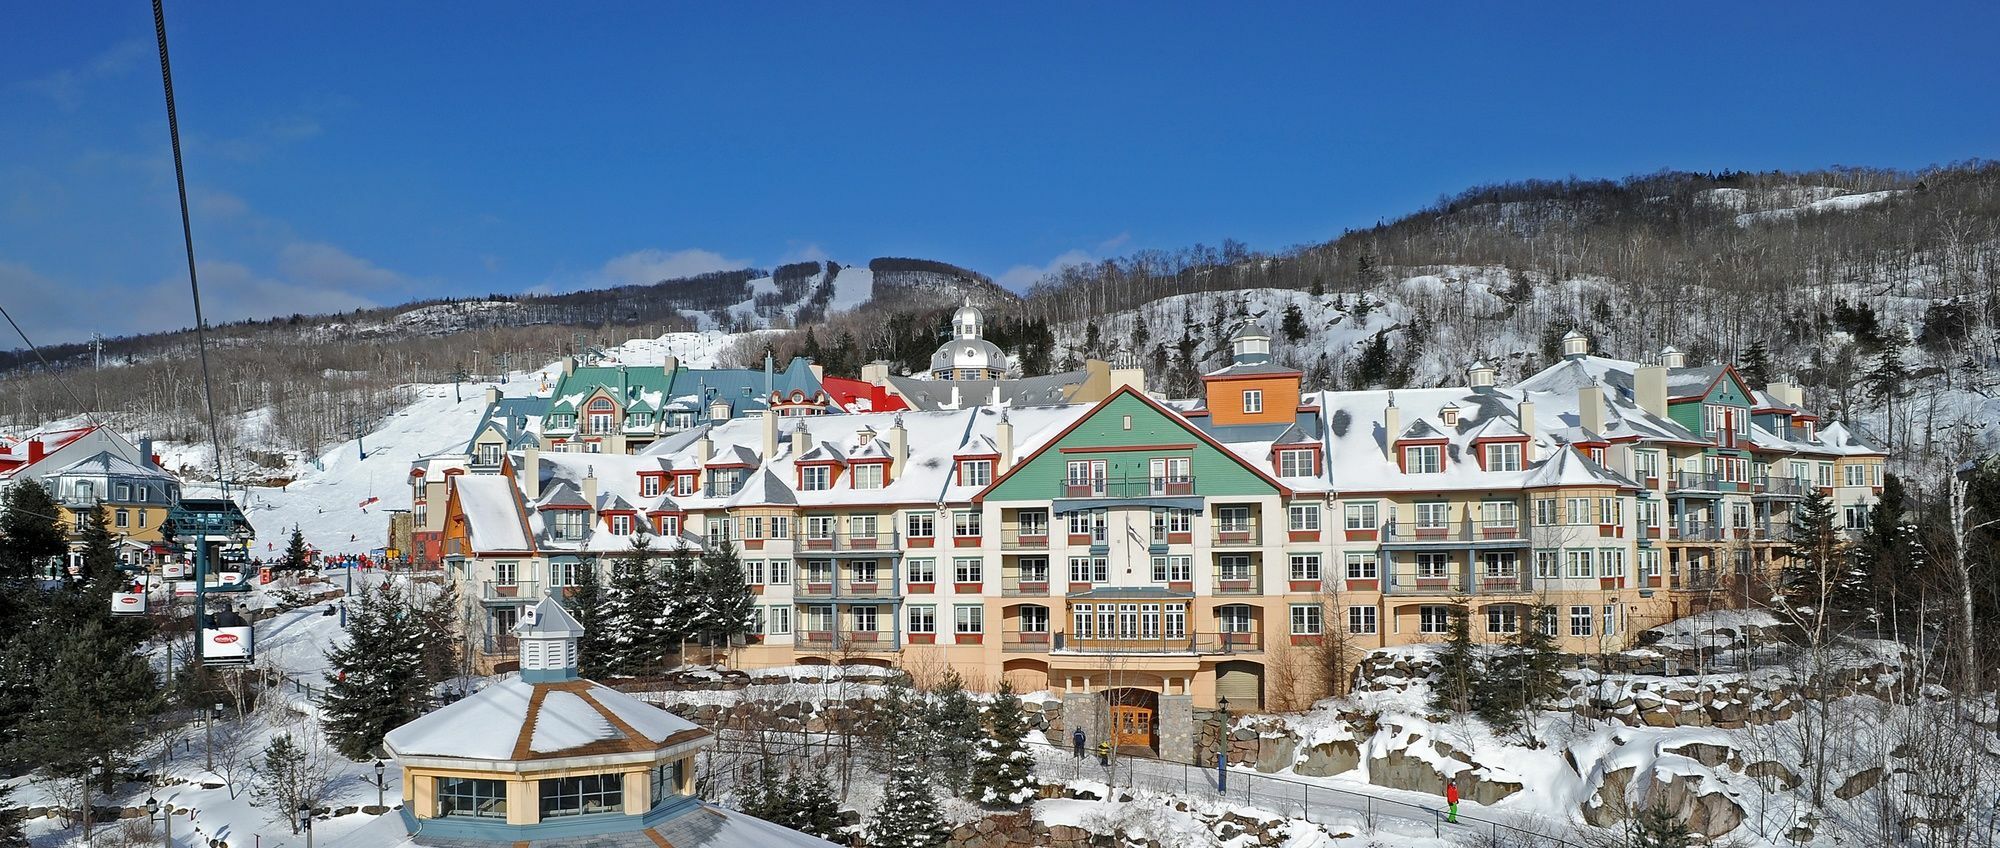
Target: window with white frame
(1611, 562)
(1035, 569)
(819, 571)
(1361, 516)
(1033, 522)
(1503, 618)
(1086, 473)
(922, 525)
(779, 622)
(1576, 511)
(1646, 462)
(1176, 621)
(1545, 512)
(1362, 565)
(1232, 567)
(923, 619)
(753, 572)
(753, 527)
(1579, 621)
(1548, 564)
(968, 570)
(1580, 563)
(1649, 562)
(867, 476)
(1503, 456)
(1253, 400)
(820, 527)
(1303, 518)
(815, 478)
(1499, 515)
(862, 571)
(1854, 517)
(1306, 619)
(1856, 475)
(506, 572)
(1034, 619)
(1234, 618)
(1296, 463)
(1610, 511)
(1610, 619)
(1433, 565)
(1305, 567)
(968, 620)
(621, 525)
(866, 620)
(975, 472)
(1180, 520)
(1083, 621)
(1423, 459)
(1084, 569)
(965, 523)
(1500, 565)
(1361, 620)
(1433, 619)
(569, 523)
(1173, 569)
(1232, 519)
(781, 572)
(1167, 471)
(922, 570)
(1433, 515)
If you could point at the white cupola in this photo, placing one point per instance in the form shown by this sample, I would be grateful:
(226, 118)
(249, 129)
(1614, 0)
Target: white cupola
(548, 635)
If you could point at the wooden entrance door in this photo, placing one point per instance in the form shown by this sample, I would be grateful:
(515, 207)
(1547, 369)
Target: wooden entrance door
(1132, 726)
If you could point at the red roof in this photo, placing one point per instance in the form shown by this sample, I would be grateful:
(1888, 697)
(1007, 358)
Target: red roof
(858, 396)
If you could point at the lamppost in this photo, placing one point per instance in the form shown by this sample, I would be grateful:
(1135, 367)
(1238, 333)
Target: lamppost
(380, 786)
(1222, 745)
(208, 730)
(305, 823)
(153, 809)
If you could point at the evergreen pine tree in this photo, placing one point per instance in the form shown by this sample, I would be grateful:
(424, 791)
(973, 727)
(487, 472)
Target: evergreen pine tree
(726, 603)
(91, 703)
(378, 683)
(31, 531)
(296, 558)
(11, 834)
(1755, 367)
(1657, 827)
(952, 721)
(1815, 570)
(766, 797)
(814, 809)
(1451, 691)
(1001, 770)
(282, 779)
(587, 604)
(98, 548)
(909, 816)
(1885, 559)
(634, 604)
(679, 597)
(1294, 325)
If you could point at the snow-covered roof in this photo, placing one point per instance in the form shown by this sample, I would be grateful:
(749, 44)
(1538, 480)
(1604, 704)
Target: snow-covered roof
(494, 520)
(517, 721)
(108, 464)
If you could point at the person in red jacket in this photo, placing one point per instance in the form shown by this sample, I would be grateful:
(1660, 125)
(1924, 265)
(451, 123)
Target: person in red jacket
(1451, 801)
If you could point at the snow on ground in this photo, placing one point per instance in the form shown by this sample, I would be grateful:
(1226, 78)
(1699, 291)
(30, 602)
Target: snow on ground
(1840, 203)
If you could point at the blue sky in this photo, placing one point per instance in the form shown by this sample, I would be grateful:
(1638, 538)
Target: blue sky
(352, 154)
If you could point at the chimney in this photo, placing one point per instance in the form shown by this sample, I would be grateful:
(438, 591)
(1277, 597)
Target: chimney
(899, 448)
(530, 472)
(148, 460)
(37, 450)
(954, 396)
(1784, 392)
(569, 365)
(1479, 376)
(801, 441)
(996, 395)
(770, 424)
(1003, 438)
(492, 395)
(1392, 426)
(590, 489)
(669, 365)
(875, 373)
(1590, 408)
(1526, 413)
(703, 449)
(1649, 388)
(1619, 458)
(1672, 357)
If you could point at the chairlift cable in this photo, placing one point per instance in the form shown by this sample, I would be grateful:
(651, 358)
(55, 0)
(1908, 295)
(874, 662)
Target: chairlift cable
(187, 238)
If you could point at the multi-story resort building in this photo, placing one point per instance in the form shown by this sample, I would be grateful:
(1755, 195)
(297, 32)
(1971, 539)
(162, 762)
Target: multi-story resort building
(1143, 558)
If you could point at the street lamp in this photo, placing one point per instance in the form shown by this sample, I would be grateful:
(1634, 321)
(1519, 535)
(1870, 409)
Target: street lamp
(208, 730)
(152, 809)
(1222, 744)
(305, 823)
(380, 768)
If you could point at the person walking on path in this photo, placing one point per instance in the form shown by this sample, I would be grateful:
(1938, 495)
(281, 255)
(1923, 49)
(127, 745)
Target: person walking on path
(1451, 801)
(1104, 754)
(1076, 742)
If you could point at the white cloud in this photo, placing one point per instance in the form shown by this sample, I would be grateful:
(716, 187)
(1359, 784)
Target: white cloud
(1020, 277)
(808, 252)
(65, 86)
(323, 265)
(231, 291)
(651, 265)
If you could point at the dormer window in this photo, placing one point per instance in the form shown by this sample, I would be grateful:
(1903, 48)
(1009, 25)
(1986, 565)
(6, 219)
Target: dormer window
(1504, 456)
(975, 472)
(1810, 428)
(1296, 463)
(1449, 415)
(569, 523)
(1253, 401)
(684, 484)
(865, 436)
(621, 525)
(1423, 459)
(868, 476)
(815, 478)
(1597, 455)
(649, 486)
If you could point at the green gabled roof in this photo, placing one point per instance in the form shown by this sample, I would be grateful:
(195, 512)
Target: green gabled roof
(1103, 435)
(618, 381)
(639, 404)
(561, 404)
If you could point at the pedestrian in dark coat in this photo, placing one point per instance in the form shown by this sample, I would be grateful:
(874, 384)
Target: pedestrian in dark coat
(1076, 740)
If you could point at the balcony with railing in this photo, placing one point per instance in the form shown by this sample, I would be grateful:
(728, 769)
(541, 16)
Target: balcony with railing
(1468, 531)
(1780, 487)
(883, 541)
(1701, 482)
(494, 591)
(1014, 537)
(1237, 579)
(847, 639)
(1013, 585)
(1186, 644)
(837, 584)
(1242, 533)
(500, 645)
(1017, 642)
(1144, 486)
(1695, 531)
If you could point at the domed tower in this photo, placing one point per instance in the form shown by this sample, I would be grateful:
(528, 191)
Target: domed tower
(968, 356)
